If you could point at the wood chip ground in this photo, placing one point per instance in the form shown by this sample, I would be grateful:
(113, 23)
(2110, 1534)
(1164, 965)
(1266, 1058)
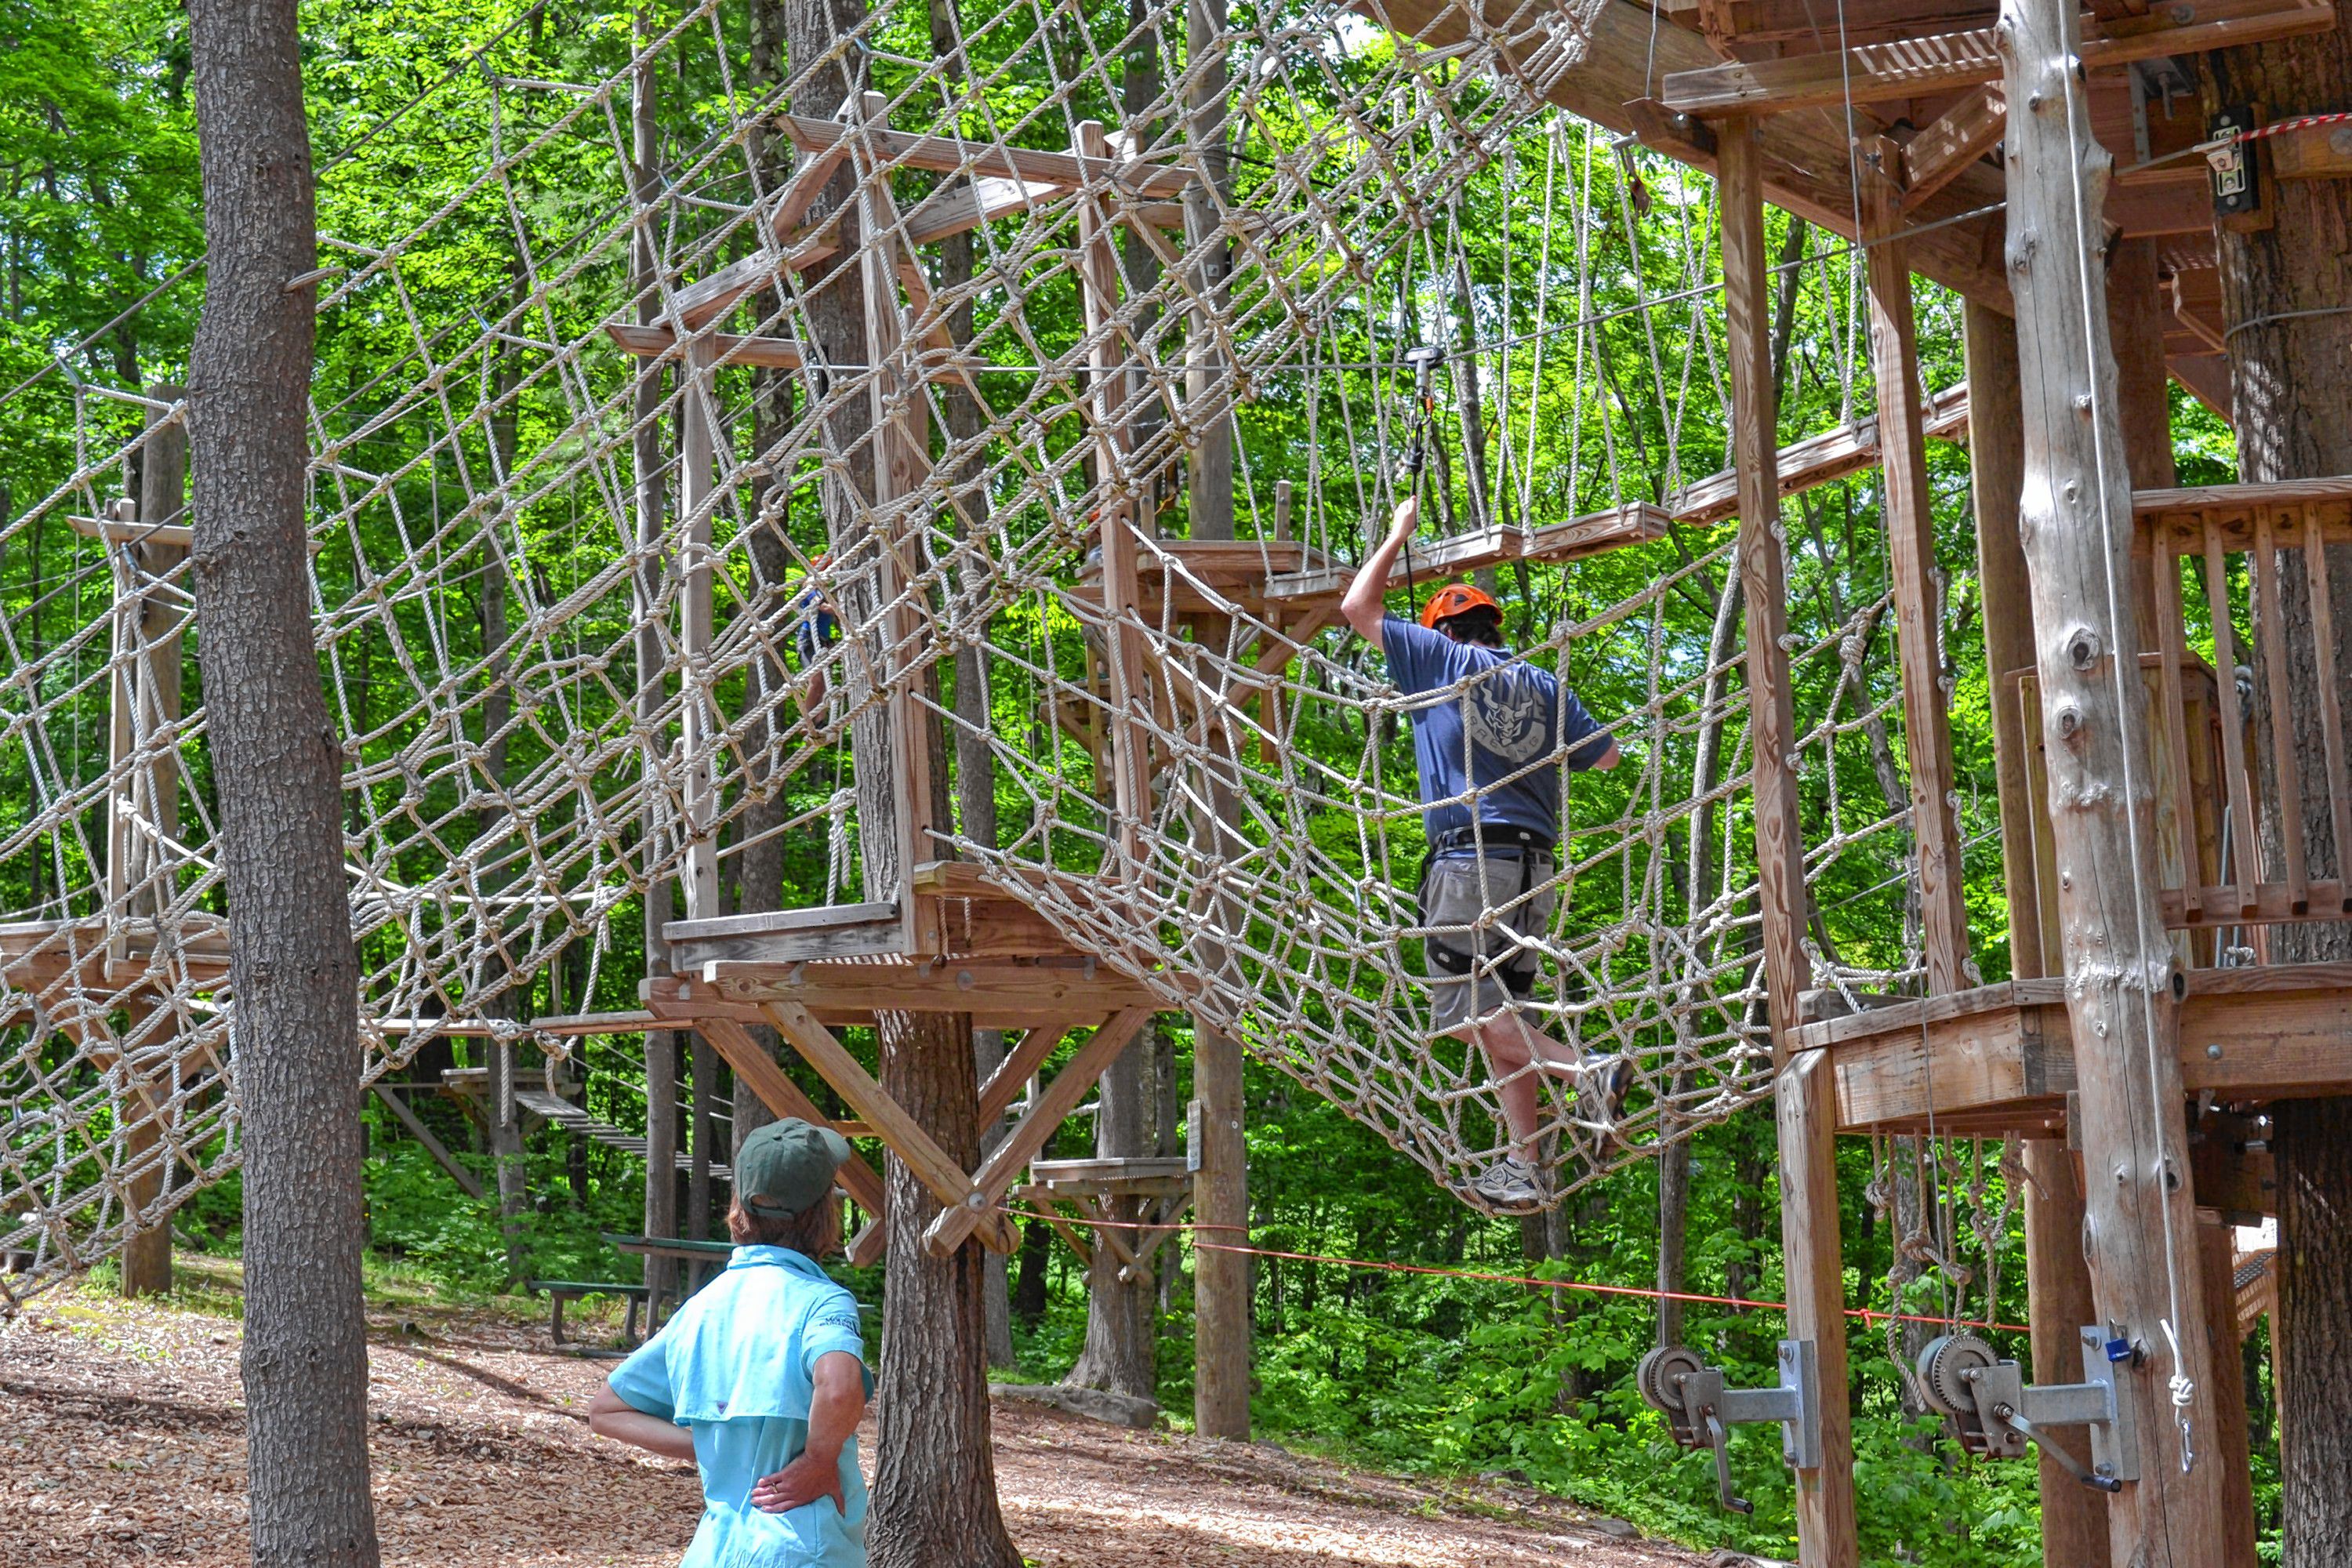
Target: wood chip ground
(122, 1442)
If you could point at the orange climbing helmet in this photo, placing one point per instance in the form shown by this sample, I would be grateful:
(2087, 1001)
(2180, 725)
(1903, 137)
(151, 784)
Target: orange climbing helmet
(1455, 599)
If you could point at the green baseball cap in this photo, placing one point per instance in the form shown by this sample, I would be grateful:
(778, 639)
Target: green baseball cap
(787, 1167)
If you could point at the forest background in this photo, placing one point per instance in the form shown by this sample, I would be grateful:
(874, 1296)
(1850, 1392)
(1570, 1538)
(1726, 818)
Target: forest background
(99, 225)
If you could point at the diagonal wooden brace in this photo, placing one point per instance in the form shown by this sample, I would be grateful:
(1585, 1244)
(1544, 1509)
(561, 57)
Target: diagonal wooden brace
(779, 1094)
(1053, 1104)
(931, 1164)
(1005, 1085)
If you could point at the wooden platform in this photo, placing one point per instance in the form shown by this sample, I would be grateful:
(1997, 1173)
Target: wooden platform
(2000, 1058)
(48, 957)
(1127, 1207)
(966, 916)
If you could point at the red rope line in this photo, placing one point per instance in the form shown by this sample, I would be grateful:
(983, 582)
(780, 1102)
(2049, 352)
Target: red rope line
(1867, 1314)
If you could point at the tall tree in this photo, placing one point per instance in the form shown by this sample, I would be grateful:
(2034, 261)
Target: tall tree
(2283, 290)
(277, 772)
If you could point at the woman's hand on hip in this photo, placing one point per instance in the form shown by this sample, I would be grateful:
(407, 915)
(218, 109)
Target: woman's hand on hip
(802, 1482)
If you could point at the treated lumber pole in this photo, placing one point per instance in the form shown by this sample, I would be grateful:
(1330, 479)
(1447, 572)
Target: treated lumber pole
(652, 505)
(1220, 1279)
(155, 682)
(2058, 1279)
(697, 474)
(1911, 554)
(2058, 1297)
(1808, 1100)
(2076, 527)
(1996, 474)
(2217, 1258)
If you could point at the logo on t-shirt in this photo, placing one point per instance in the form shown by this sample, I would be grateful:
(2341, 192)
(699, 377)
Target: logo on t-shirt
(1507, 713)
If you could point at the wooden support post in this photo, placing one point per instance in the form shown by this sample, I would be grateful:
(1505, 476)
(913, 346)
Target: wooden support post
(2077, 528)
(1996, 471)
(466, 1181)
(1806, 1106)
(651, 523)
(1046, 1112)
(1772, 718)
(2217, 1258)
(2058, 1297)
(1106, 399)
(1808, 1110)
(152, 718)
(1221, 1281)
(1911, 554)
(779, 1094)
(900, 408)
(698, 727)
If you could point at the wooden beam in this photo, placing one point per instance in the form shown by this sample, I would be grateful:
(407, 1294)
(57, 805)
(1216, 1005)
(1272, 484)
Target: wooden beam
(1099, 280)
(466, 1179)
(1779, 832)
(2058, 1309)
(900, 414)
(1019, 1066)
(2217, 1261)
(1911, 557)
(897, 149)
(1020, 1145)
(959, 207)
(1959, 137)
(698, 723)
(1819, 460)
(1803, 157)
(1996, 473)
(1005, 993)
(1916, 68)
(2076, 529)
(1805, 1106)
(931, 1164)
(779, 1094)
(1807, 1103)
(727, 348)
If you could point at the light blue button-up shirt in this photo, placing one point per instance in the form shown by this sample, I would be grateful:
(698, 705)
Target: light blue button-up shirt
(735, 1366)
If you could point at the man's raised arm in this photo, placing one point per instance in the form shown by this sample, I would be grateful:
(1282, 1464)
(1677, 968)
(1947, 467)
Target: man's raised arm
(1365, 603)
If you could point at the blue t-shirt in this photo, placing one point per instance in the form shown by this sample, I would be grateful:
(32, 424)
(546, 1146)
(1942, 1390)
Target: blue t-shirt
(736, 1366)
(1505, 734)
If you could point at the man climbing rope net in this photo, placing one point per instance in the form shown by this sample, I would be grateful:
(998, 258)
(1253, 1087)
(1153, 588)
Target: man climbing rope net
(1489, 764)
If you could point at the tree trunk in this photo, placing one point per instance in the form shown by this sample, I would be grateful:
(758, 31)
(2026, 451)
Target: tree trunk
(2283, 292)
(935, 1474)
(1121, 1348)
(278, 771)
(2290, 374)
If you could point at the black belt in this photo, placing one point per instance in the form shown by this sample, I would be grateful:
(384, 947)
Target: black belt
(1492, 836)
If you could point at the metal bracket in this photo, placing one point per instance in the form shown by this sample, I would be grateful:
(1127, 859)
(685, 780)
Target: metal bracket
(1997, 1412)
(1698, 1408)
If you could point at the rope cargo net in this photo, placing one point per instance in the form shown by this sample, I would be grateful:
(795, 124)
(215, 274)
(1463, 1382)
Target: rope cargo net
(508, 542)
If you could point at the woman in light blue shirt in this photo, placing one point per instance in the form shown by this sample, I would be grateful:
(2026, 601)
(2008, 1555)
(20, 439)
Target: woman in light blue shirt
(761, 1376)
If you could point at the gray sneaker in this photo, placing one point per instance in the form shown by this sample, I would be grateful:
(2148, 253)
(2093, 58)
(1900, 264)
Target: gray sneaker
(1601, 1085)
(1511, 1186)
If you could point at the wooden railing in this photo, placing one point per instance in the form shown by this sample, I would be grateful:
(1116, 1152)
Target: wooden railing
(2255, 864)
(2235, 842)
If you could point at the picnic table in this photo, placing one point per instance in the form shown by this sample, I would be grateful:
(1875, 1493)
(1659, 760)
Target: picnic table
(702, 1258)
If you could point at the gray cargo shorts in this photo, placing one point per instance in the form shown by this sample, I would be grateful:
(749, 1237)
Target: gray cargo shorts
(1478, 967)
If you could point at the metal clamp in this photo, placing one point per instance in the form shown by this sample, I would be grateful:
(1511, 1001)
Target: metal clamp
(1998, 1414)
(1698, 1408)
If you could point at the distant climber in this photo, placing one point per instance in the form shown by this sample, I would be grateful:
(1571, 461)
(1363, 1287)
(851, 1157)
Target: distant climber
(1490, 764)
